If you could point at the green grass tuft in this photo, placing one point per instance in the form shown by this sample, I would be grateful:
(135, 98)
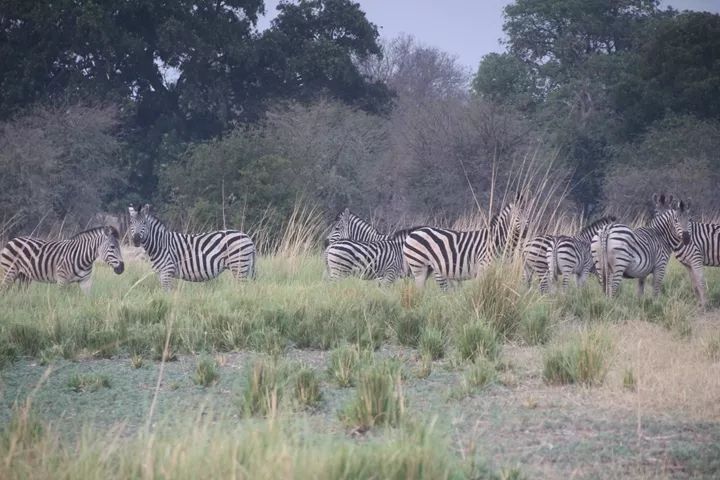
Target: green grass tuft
(477, 339)
(583, 359)
(88, 383)
(206, 371)
(379, 399)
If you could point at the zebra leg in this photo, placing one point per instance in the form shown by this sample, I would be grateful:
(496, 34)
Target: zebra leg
(545, 283)
(421, 274)
(641, 287)
(9, 278)
(658, 277)
(442, 281)
(86, 284)
(527, 274)
(697, 278)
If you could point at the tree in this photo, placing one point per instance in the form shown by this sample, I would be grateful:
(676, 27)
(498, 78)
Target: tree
(60, 164)
(504, 78)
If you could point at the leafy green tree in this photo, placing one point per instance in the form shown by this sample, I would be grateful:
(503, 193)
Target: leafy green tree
(504, 78)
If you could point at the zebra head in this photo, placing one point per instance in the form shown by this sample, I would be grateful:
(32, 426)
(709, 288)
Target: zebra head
(139, 224)
(109, 251)
(673, 214)
(340, 228)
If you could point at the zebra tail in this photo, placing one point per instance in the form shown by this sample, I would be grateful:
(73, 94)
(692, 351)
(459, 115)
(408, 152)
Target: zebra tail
(552, 261)
(603, 263)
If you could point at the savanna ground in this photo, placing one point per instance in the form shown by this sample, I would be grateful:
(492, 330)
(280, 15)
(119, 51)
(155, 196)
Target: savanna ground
(293, 376)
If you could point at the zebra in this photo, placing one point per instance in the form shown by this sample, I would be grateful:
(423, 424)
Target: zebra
(450, 254)
(619, 251)
(191, 257)
(382, 260)
(348, 226)
(27, 259)
(535, 260)
(571, 255)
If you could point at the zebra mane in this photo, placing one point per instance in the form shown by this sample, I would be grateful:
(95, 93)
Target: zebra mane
(115, 233)
(598, 223)
(403, 232)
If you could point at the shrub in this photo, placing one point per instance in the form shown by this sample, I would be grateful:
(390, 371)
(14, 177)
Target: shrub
(477, 339)
(88, 383)
(206, 371)
(307, 387)
(432, 343)
(379, 399)
(582, 359)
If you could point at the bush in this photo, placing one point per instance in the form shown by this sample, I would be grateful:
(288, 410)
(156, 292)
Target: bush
(582, 360)
(477, 339)
(379, 399)
(206, 371)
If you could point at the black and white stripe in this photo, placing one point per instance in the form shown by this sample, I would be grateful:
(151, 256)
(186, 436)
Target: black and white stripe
(453, 255)
(535, 260)
(191, 257)
(380, 260)
(27, 259)
(348, 226)
(619, 251)
(572, 256)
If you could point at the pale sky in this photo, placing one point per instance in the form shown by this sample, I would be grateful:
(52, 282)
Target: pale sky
(468, 29)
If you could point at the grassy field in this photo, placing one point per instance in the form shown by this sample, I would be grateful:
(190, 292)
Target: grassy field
(293, 376)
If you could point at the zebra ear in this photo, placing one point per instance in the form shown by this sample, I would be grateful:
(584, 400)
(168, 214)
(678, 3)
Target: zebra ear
(132, 211)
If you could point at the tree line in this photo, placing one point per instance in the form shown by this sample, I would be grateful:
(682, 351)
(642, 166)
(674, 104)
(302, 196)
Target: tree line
(192, 107)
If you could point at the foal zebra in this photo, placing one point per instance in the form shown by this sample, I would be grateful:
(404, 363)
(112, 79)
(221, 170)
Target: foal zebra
(453, 255)
(27, 259)
(348, 226)
(382, 260)
(191, 257)
(571, 255)
(619, 251)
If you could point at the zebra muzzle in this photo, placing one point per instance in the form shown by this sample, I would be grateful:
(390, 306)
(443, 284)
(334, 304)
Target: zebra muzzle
(137, 241)
(120, 268)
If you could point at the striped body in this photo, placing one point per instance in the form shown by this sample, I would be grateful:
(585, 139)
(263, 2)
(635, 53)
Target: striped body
(572, 255)
(535, 260)
(453, 255)
(26, 259)
(192, 257)
(382, 260)
(703, 250)
(619, 251)
(348, 226)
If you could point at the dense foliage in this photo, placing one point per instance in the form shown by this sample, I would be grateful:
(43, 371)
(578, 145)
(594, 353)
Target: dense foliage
(189, 105)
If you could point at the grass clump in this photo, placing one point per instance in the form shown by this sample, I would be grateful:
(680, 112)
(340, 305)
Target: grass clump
(206, 372)
(712, 348)
(104, 343)
(343, 363)
(495, 298)
(582, 359)
(432, 343)
(265, 384)
(136, 361)
(535, 325)
(153, 312)
(88, 383)
(477, 339)
(481, 373)
(28, 339)
(379, 399)
(8, 352)
(307, 387)
(408, 327)
(629, 381)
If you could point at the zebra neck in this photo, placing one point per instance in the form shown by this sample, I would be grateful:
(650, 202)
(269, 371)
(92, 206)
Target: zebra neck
(87, 248)
(157, 243)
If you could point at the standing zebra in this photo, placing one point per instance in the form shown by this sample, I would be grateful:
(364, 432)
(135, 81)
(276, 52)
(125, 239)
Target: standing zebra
(619, 251)
(535, 260)
(450, 254)
(348, 226)
(27, 259)
(382, 260)
(191, 257)
(571, 255)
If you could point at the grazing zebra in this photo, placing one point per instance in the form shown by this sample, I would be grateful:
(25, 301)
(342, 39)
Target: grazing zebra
(453, 255)
(348, 226)
(619, 251)
(382, 260)
(535, 260)
(191, 257)
(27, 259)
(571, 255)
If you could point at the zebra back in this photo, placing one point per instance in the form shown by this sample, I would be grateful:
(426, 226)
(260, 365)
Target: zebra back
(349, 226)
(587, 233)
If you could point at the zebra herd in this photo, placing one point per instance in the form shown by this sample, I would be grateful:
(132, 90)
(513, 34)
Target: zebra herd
(353, 247)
